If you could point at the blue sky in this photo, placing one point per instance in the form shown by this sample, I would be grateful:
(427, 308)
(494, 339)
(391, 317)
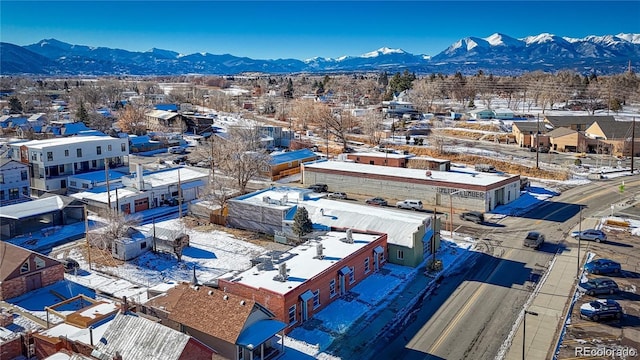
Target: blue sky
(303, 29)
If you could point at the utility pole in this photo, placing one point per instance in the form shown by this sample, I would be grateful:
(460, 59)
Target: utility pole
(179, 196)
(106, 175)
(86, 234)
(633, 142)
(538, 143)
(579, 238)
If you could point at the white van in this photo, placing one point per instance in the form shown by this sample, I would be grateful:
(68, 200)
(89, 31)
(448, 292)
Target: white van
(409, 204)
(175, 150)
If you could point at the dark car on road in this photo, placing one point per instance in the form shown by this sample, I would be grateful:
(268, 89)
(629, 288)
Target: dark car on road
(602, 266)
(319, 188)
(599, 286)
(601, 309)
(376, 201)
(475, 216)
(590, 234)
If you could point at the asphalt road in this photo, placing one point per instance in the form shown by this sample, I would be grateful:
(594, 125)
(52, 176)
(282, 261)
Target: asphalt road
(472, 311)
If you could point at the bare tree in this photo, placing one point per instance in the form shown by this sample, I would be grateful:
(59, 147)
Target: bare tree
(132, 120)
(372, 126)
(116, 226)
(241, 155)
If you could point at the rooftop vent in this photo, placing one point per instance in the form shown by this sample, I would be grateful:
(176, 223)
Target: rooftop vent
(282, 273)
(242, 302)
(319, 254)
(226, 297)
(349, 238)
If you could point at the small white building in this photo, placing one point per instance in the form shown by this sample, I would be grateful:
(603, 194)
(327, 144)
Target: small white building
(135, 244)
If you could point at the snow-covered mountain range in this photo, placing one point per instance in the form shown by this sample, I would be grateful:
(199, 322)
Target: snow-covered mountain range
(499, 54)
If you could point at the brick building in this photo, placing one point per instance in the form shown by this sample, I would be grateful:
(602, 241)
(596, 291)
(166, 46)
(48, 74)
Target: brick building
(301, 282)
(22, 271)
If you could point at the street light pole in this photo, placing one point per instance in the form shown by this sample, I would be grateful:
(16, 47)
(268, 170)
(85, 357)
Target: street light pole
(579, 238)
(524, 329)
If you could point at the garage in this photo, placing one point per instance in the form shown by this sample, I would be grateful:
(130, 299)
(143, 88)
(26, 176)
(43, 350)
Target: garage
(141, 204)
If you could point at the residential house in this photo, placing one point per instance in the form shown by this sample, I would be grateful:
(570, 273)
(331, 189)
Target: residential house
(143, 143)
(133, 337)
(236, 327)
(428, 163)
(613, 137)
(41, 215)
(22, 271)
(481, 114)
(51, 161)
(575, 122)
(133, 245)
(271, 211)
(88, 181)
(14, 182)
(503, 114)
(398, 109)
(297, 284)
(529, 133)
(566, 139)
(160, 120)
(288, 163)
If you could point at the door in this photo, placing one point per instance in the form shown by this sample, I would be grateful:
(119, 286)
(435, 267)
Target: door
(141, 204)
(34, 282)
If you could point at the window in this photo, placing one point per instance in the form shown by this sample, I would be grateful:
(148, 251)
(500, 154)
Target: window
(352, 275)
(39, 263)
(49, 155)
(332, 288)
(123, 147)
(108, 147)
(400, 255)
(24, 174)
(66, 152)
(143, 245)
(25, 267)
(34, 156)
(292, 315)
(85, 186)
(99, 150)
(73, 183)
(25, 191)
(316, 299)
(14, 193)
(94, 163)
(79, 152)
(367, 268)
(1, 194)
(1, 178)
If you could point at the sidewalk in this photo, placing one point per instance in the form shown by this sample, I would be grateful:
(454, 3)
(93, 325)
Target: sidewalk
(550, 303)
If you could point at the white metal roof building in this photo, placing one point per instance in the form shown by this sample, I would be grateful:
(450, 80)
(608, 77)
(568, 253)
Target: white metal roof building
(469, 190)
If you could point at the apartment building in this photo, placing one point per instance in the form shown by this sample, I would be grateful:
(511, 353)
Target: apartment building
(14, 182)
(51, 161)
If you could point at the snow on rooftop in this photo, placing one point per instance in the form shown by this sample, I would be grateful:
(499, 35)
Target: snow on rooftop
(99, 309)
(453, 177)
(67, 141)
(75, 333)
(302, 262)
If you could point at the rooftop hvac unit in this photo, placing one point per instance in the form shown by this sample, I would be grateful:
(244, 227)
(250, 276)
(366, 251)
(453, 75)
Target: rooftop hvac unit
(282, 273)
(319, 254)
(266, 199)
(284, 200)
(349, 236)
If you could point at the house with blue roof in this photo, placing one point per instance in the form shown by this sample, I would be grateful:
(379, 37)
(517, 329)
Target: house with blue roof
(288, 163)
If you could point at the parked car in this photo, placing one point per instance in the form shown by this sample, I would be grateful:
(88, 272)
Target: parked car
(534, 239)
(176, 150)
(337, 195)
(319, 188)
(409, 204)
(601, 309)
(475, 216)
(70, 265)
(590, 234)
(376, 201)
(602, 266)
(599, 286)
(180, 159)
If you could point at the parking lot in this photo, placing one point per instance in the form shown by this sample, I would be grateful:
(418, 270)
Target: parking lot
(616, 336)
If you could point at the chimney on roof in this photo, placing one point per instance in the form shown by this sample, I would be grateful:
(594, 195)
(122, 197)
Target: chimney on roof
(349, 236)
(139, 180)
(194, 279)
(124, 307)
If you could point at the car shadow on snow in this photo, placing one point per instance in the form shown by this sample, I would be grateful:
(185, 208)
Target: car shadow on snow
(492, 224)
(615, 243)
(552, 247)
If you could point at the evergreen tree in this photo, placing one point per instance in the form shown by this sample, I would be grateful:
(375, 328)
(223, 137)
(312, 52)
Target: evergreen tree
(301, 222)
(82, 114)
(289, 92)
(15, 105)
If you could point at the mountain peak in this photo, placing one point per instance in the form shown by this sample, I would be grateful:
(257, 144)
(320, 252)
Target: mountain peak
(499, 39)
(382, 51)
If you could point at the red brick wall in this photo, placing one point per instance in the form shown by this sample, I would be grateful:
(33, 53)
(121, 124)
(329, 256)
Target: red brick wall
(18, 286)
(11, 349)
(378, 160)
(195, 350)
(280, 305)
